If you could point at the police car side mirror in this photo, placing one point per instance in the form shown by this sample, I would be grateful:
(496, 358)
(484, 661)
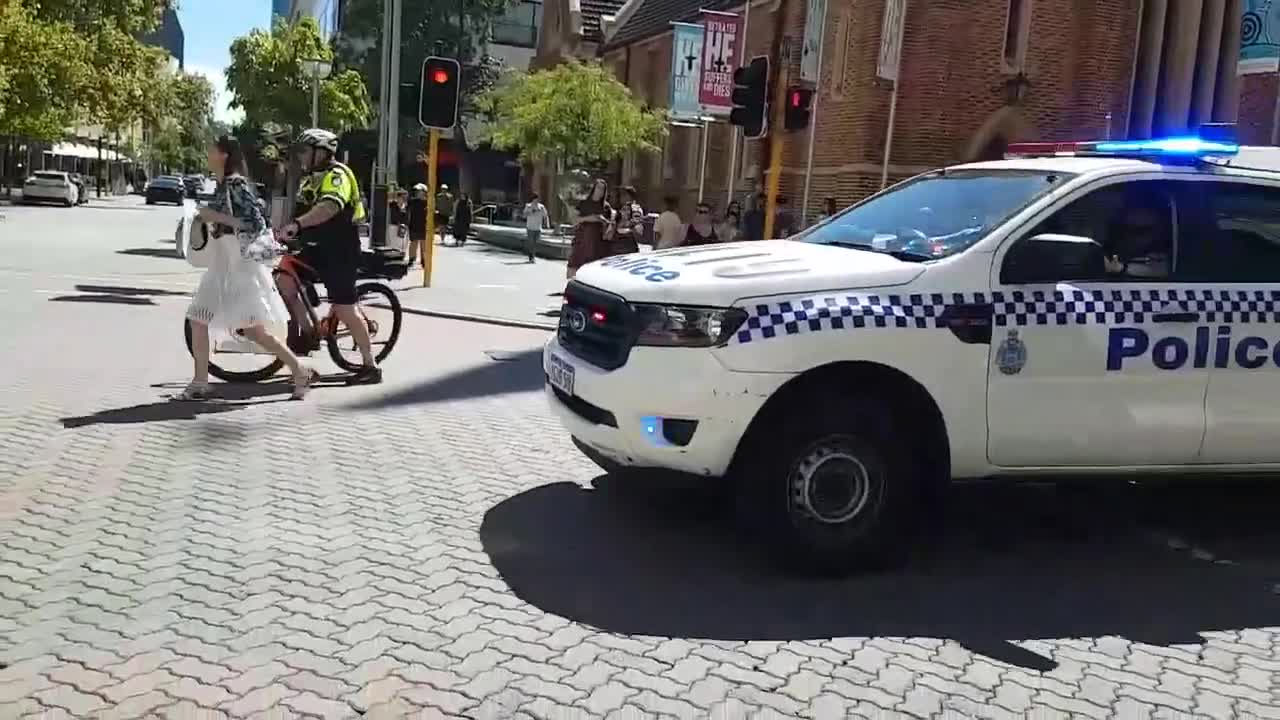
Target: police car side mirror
(1051, 258)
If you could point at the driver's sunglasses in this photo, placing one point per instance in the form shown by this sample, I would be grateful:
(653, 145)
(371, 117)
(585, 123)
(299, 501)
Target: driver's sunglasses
(704, 211)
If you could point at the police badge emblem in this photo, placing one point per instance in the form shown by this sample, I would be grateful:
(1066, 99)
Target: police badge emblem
(1011, 356)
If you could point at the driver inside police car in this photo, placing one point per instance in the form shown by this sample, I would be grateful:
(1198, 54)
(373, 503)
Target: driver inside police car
(1138, 244)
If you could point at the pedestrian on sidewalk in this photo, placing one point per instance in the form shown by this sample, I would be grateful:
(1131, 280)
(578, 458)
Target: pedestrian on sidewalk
(753, 221)
(701, 231)
(444, 211)
(417, 208)
(668, 229)
(786, 221)
(535, 221)
(729, 229)
(594, 216)
(236, 296)
(628, 224)
(462, 219)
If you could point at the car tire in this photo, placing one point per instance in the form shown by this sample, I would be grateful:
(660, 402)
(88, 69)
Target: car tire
(829, 487)
(150, 201)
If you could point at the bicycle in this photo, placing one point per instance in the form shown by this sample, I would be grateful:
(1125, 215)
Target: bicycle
(382, 334)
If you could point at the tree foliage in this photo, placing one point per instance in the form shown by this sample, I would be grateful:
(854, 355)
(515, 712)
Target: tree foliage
(431, 27)
(577, 112)
(267, 80)
(43, 66)
(63, 61)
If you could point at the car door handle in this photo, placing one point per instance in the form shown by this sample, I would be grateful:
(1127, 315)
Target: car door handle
(1176, 317)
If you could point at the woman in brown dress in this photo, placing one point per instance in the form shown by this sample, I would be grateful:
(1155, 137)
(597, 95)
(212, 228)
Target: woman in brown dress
(594, 217)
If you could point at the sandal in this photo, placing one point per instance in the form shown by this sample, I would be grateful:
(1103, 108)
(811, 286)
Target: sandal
(303, 385)
(194, 392)
(366, 375)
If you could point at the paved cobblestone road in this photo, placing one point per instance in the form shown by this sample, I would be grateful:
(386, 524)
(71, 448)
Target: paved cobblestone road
(435, 547)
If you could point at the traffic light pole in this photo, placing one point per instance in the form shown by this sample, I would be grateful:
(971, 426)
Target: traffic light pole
(775, 152)
(429, 251)
(737, 131)
(813, 121)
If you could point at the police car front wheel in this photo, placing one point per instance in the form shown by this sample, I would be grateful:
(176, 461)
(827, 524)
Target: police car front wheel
(833, 493)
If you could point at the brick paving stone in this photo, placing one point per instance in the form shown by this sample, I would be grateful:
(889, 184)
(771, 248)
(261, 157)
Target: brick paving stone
(231, 557)
(137, 706)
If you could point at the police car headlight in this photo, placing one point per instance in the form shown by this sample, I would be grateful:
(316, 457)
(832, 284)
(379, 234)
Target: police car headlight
(675, 326)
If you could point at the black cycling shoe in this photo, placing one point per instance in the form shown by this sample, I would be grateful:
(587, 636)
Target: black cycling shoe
(366, 376)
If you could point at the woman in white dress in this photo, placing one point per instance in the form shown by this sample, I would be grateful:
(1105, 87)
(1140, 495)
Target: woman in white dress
(236, 296)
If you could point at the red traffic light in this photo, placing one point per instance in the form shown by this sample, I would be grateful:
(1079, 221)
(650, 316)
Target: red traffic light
(439, 76)
(795, 98)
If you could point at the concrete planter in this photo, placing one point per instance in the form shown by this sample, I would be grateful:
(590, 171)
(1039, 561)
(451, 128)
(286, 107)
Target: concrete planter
(551, 246)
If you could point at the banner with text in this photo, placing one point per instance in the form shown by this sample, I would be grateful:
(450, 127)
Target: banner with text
(1260, 37)
(814, 21)
(723, 32)
(686, 71)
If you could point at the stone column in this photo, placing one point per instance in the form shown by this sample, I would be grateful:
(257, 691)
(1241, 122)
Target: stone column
(1147, 77)
(1207, 59)
(1173, 103)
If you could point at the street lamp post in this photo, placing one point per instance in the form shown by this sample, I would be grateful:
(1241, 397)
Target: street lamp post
(318, 70)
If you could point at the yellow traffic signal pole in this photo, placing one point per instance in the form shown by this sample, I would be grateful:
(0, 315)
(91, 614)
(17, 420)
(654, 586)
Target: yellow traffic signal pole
(775, 151)
(429, 252)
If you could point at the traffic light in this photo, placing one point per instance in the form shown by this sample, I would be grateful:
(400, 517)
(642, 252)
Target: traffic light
(796, 115)
(751, 97)
(441, 83)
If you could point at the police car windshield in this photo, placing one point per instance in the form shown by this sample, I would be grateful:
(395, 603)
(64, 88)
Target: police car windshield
(935, 215)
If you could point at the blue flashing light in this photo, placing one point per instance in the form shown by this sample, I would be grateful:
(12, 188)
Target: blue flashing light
(1185, 146)
(651, 427)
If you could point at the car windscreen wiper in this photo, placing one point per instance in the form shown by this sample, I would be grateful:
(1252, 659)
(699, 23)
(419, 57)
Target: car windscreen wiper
(910, 255)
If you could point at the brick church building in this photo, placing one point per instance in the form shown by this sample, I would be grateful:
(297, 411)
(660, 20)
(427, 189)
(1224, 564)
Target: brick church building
(974, 75)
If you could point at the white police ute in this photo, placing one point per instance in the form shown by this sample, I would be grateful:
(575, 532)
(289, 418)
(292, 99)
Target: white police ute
(1102, 308)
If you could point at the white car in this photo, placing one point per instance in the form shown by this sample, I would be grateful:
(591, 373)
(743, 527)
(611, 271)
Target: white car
(50, 186)
(1087, 309)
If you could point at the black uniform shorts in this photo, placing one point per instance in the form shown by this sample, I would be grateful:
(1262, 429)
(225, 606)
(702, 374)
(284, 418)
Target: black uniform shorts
(336, 265)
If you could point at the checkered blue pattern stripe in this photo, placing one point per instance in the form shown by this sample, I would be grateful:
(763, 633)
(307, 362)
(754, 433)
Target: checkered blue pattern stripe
(1010, 309)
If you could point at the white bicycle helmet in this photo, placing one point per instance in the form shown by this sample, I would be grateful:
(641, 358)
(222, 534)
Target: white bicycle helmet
(319, 138)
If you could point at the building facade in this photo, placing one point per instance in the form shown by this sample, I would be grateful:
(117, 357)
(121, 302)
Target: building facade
(973, 76)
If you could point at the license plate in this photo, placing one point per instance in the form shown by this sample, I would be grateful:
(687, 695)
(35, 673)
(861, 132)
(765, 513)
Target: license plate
(561, 374)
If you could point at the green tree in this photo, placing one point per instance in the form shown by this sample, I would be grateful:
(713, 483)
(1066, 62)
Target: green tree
(430, 27)
(119, 87)
(42, 69)
(575, 112)
(266, 79)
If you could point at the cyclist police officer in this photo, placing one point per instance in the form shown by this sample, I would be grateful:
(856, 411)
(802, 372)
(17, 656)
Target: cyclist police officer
(325, 219)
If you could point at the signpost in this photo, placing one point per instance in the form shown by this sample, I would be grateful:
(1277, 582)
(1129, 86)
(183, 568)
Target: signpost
(895, 13)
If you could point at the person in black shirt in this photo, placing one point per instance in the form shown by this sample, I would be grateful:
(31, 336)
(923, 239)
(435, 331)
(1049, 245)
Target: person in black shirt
(701, 231)
(417, 210)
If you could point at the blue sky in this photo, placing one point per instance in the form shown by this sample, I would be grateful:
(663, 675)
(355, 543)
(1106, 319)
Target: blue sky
(208, 27)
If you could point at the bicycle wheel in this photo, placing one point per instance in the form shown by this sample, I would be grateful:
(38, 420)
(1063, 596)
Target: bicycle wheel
(236, 367)
(381, 309)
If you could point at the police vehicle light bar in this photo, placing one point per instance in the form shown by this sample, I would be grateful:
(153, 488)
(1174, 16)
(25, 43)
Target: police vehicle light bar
(1212, 140)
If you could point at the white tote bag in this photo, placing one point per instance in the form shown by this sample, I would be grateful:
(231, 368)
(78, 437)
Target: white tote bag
(196, 235)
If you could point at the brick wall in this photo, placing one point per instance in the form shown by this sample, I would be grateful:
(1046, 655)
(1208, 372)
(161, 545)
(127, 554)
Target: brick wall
(1257, 108)
(1078, 63)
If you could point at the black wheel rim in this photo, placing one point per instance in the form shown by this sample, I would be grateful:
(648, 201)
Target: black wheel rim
(829, 485)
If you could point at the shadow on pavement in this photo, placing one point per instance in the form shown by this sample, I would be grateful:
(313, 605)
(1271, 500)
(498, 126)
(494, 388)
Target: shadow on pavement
(1013, 563)
(129, 291)
(112, 299)
(149, 252)
(228, 398)
(510, 372)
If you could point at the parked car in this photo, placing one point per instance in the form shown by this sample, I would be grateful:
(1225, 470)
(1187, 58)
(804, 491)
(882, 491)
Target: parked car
(194, 184)
(166, 188)
(50, 186)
